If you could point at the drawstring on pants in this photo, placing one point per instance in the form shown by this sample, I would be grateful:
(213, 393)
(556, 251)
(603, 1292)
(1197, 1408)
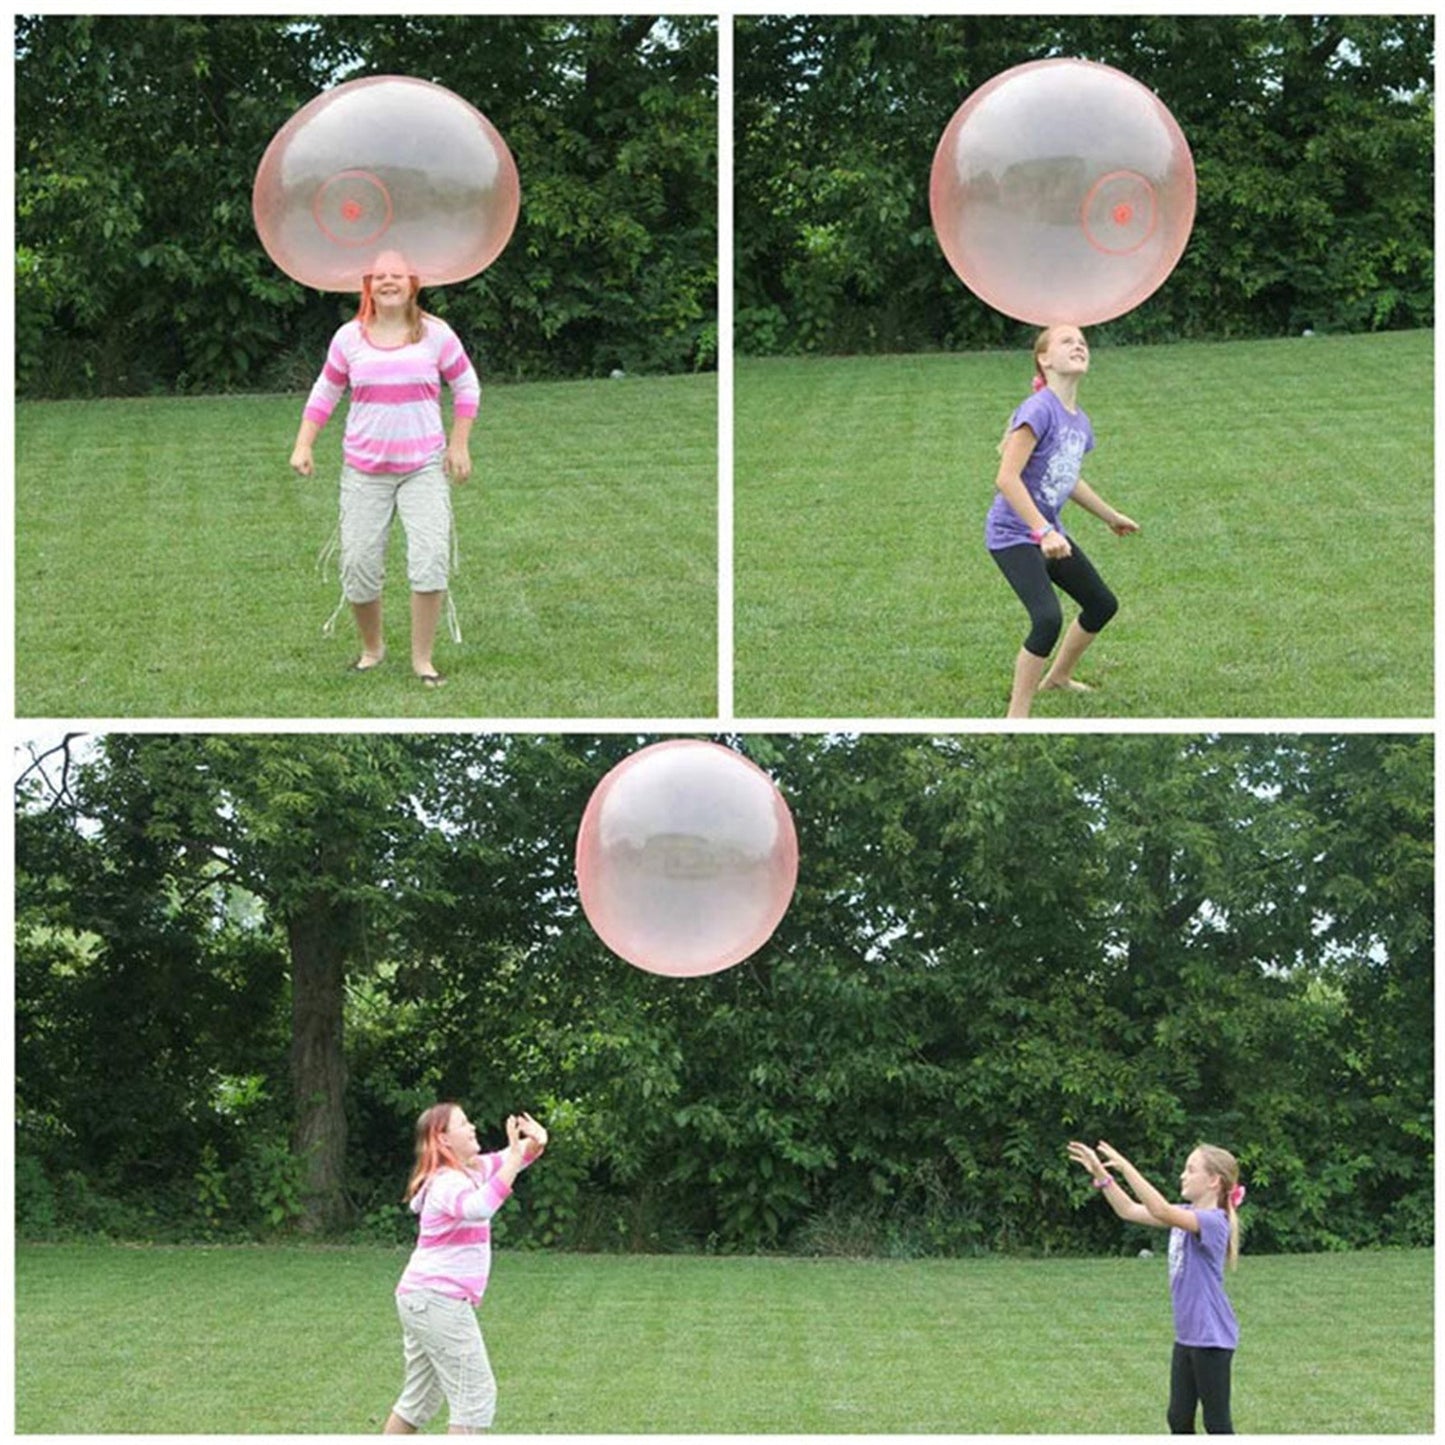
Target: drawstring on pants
(331, 552)
(454, 624)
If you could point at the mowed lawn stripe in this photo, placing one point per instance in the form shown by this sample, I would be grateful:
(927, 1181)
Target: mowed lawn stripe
(287, 1339)
(166, 561)
(1285, 567)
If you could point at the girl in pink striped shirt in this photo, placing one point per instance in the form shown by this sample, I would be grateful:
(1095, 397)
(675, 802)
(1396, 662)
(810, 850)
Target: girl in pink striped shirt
(396, 454)
(454, 1191)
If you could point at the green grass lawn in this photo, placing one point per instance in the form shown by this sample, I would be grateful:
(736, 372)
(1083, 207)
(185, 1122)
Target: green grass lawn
(278, 1340)
(166, 561)
(1284, 569)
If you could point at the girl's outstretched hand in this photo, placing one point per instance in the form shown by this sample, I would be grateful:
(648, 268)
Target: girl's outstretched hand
(533, 1135)
(1121, 525)
(1112, 1157)
(1082, 1154)
(516, 1151)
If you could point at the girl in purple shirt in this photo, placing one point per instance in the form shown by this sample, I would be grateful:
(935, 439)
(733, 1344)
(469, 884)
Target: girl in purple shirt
(1039, 460)
(1203, 1238)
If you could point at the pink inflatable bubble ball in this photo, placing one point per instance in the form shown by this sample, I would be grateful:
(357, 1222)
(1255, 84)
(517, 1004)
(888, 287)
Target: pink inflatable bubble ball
(385, 163)
(1062, 191)
(686, 858)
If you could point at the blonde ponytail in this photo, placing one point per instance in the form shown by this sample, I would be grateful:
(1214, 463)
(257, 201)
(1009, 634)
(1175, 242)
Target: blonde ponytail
(1040, 381)
(1222, 1163)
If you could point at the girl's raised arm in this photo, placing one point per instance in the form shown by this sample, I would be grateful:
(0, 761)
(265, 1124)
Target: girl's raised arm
(1165, 1214)
(1129, 1210)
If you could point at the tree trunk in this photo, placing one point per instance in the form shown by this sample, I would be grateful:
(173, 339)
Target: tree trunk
(316, 934)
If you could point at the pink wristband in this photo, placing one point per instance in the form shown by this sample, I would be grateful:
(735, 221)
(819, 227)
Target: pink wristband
(1103, 1183)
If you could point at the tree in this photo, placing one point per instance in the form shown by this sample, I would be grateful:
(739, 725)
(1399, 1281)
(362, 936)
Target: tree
(138, 138)
(1312, 139)
(136, 146)
(309, 826)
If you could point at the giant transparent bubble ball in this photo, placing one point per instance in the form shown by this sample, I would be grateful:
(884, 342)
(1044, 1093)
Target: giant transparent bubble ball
(686, 859)
(385, 163)
(1062, 191)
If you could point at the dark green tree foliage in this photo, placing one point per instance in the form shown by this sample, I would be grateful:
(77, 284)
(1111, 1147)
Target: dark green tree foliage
(1313, 141)
(997, 944)
(137, 141)
(135, 991)
(305, 828)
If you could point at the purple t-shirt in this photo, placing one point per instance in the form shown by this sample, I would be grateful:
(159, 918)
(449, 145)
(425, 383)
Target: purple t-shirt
(1203, 1315)
(1052, 471)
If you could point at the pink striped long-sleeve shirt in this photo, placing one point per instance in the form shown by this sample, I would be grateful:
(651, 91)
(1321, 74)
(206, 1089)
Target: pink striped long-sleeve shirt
(453, 1253)
(395, 420)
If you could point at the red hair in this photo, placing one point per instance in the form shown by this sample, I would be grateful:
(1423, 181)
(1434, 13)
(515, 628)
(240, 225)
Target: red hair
(366, 312)
(432, 1150)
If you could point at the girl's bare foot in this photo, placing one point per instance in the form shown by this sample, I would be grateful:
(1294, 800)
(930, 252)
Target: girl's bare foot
(1068, 684)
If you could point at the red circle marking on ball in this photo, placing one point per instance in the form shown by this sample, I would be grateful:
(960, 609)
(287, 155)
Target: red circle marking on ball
(350, 209)
(1121, 213)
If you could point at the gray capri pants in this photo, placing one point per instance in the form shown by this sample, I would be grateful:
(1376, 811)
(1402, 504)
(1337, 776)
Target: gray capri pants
(445, 1358)
(368, 503)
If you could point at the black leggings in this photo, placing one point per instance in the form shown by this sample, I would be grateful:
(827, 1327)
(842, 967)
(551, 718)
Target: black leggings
(1029, 573)
(1200, 1376)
